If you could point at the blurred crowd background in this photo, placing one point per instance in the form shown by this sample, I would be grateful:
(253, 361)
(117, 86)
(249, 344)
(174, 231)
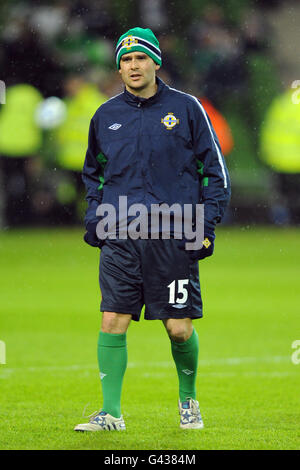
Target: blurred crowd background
(57, 67)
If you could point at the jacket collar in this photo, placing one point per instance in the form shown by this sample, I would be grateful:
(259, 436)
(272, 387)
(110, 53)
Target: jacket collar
(137, 101)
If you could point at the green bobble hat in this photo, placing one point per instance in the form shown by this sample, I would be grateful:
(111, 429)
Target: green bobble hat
(138, 40)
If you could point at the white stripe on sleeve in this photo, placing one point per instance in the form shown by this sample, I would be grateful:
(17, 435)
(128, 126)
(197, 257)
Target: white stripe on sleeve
(211, 133)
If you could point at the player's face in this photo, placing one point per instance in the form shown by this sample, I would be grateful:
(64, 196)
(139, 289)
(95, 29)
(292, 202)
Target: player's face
(138, 72)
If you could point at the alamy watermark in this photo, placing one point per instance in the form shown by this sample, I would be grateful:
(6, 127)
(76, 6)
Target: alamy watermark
(296, 94)
(2, 92)
(295, 357)
(2, 353)
(159, 221)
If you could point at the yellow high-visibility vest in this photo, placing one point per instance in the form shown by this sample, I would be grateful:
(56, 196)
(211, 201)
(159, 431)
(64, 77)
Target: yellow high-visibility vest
(280, 135)
(72, 135)
(19, 134)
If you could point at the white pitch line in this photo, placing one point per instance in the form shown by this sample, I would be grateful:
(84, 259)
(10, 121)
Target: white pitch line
(230, 361)
(254, 374)
(6, 374)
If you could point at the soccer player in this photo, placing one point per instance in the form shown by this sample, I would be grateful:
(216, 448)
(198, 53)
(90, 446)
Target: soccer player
(154, 145)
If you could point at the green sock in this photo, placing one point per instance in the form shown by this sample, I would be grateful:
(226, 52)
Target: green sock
(112, 359)
(185, 356)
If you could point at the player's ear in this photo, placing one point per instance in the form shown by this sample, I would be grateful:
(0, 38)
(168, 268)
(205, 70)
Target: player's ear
(157, 67)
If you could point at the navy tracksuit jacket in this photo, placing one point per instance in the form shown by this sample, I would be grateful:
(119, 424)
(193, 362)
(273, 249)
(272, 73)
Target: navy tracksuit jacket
(157, 150)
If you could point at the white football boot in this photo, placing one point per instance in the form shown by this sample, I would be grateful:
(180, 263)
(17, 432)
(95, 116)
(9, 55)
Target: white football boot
(190, 416)
(101, 421)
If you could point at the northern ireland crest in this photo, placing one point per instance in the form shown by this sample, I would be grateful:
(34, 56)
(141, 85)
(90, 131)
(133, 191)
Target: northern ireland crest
(170, 121)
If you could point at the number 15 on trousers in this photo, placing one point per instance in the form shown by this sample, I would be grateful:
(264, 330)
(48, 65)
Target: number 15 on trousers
(182, 293)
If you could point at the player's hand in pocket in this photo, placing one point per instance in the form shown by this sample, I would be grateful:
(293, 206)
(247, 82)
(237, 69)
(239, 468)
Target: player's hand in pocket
(90, 236)
(207, 249)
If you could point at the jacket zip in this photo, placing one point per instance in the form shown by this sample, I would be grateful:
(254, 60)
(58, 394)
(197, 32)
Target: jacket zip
(140, 106)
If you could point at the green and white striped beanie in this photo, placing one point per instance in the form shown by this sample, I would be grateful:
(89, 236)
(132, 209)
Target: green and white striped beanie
(138, 40)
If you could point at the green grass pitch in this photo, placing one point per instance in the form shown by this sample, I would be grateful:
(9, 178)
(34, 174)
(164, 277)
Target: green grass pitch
(248, 386)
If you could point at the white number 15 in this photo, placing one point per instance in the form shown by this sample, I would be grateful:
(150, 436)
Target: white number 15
(181, 290)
